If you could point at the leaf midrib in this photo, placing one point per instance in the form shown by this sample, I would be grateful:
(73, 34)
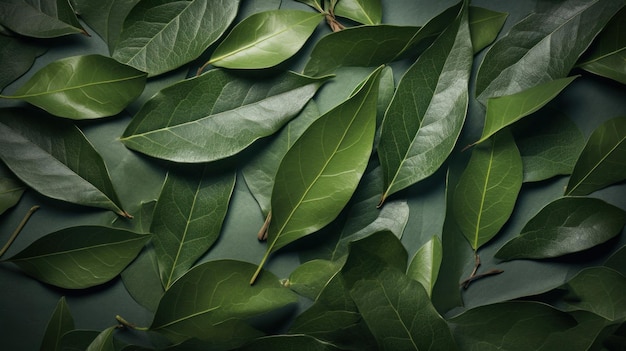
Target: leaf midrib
(482, 198)
(77, 87)
(71, 251)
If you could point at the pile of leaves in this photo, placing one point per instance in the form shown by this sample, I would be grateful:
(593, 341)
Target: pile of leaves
(360, 141)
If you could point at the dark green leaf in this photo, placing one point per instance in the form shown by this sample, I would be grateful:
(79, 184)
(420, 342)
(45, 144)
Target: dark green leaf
(142, 281)
(484, 25)
(425, 117)
(60, 323)
(299, 342)
(104, 341)
(566, 225)
(83, 87)
(316, 4)
(80, 257)
(599, 290)
(311, 277)
(216, 115)
(11, 189)
(160, 35)
(265, 39)
(487, 191)
(17, 56)
(78, 340)
(617, 261)
(39, 19)
(603, 160)
(106, 17)
(362, 11)
(424, 266)
(228, 335)
(54, 158)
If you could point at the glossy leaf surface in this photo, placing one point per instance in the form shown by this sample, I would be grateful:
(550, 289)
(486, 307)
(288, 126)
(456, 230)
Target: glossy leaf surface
(160, 35)
(46, 19)
(104, 341)
(603, 160)
(265, 39)
(17, 56)
(566, 225)
(83, 87)
(362, 11)
(216, 115)
(425, 117)
(425, 264)
(105, 17)
(55, 159)
(484, 25)
(311, 277)
(487, 190)
(60, 323)
(80, 257)
(598, 290)
(11, 189)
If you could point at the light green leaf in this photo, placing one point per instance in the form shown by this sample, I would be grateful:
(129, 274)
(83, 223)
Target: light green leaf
(564, 226)
(362, 11)
(104, 341)
(161, 35)
(83, 87)
(60, 323)
(80, 257)
(11, 189)
(17, 56)
(425, 264)
(265, 39)
(54, 158)
(311, 277)
(427, 112)
(216, 115)
(484, 25)
(603, 160)
(540, 48)
(39, 19)
(487, 191)
(106, 17)
(299, 342)
(188, 218)
(599, 290)
(503, 111)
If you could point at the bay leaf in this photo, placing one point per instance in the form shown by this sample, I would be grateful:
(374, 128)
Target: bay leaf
(310, 278)
(46, 18)
(487, 190)
(104, 341)
(427, 112)
(160, 35)
(599, 290)
(289, 342)
(55, 159)
(11, 189)
(566, 225)
(216, 115)
(362, 11)
(105, 17)
(425, 264)
(83, 87)
(80, 257)
(142, 280)
(60, 323)
(485, 24)
(17, 56)
(602, 161)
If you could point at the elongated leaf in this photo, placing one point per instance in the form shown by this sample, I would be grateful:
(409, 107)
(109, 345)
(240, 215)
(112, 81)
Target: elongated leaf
(17, 56)
(60, 323)
(611, 66)
(188, 219)
(603, 160)
(83, 87)
(566, 225)
(142, 280)
(289, 342)
(311, 277)
(265, 39)
(216, 115)
(362, 11)
(599, 290)
(80, 257)
(105, 17)
(11, 189)
(104, 341)
(484, 25)
(425, 117)
(160, 35)
(39, 19)
(544, 49)
(55, 159)
(487, 191)
(424, 266)
(505, 110)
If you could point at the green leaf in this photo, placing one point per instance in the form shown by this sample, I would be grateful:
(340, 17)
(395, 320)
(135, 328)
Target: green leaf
(188, 218)
(39, 19)
(160, 35)
(80, 257)
(11, 189)
(425, 264)
(228, 335)
(216, 115)
(617, 261)
(60, 323)
(599, 290)
(362, 11)
(540, 48)
(503, 111)
(78, 340)
(322, 169)
(17, 56)
(311, 277)
(484, 25)
(105, 17)
(487, 191)
(104, 341)
(54, 158)
(603, 160)
(142, 280)
(265, 39)
(316, 4)
(299, 342)
(427, 112)
(564, 226)
(83, 87)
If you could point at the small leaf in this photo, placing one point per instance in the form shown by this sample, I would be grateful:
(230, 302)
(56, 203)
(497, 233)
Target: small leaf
(142, 280)
(17, 56)
(105, 17)
(603, 160)
(484, 25)
(104, 341)
(216, 115)
(424, 266)
(11, 189)
(265, 39)
(564, 226)
(160, 35)
(599, 290)
(311, 277)
(45, 19)
(80, 257)
(83, 87)
(362, 11)
(60, 323)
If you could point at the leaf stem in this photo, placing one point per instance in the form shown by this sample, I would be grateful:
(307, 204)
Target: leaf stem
(473, 276)
(262, 236)
(18, 229)
(128, 324)
(258, 270)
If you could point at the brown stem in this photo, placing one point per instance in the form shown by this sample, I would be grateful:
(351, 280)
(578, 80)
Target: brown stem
(473, 276)
(262, 235)
(18, 229)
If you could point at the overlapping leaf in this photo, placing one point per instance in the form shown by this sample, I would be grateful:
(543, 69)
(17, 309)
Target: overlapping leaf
(362, 11)
(39, 19)
(11, 189)
(105, 17)
(216, 115)
(78, 340)
(289, 342)
(425, 264)
(104, 341)
(484, 25)
(310, 278)
(17, 56)
(598, 290)
(142, 279)
(60, 323)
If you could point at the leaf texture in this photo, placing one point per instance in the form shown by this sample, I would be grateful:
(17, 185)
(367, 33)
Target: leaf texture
(362, 11)
(60, 323)
(105, 17)
(598, 290)
(424, 266)
(11, 189)
(17, 56)
(46, 19)
(484, 25)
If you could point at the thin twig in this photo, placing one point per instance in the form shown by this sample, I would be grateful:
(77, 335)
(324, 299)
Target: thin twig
(18, 229)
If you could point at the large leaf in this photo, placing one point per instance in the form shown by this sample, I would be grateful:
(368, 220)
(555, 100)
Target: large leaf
(540, 48)
(362, 11)
(320, 172)
(216, 115)
(487, 191)
(160, 35)
(60, 323)
(425, 264)
(80, 257)
(566, 225)
(603, 160)
(188, 218)
(425, 117)
(484, 25)
(17, 56)
(39, 19)
(55, 159)
(599, 290)
(105, 17)
(265, 39)
(11, 189)
(83, 87)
